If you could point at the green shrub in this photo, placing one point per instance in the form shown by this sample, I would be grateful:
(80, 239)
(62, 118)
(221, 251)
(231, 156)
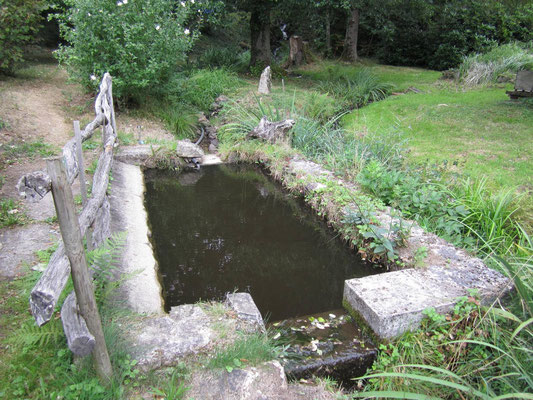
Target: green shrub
(19, 21)
(481, 68)
(319, 106)
(139, 43)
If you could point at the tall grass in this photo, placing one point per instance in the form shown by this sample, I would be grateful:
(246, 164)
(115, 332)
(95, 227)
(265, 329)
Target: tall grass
(492, 217)
(477, 69)
(248, 349)
(356, 89)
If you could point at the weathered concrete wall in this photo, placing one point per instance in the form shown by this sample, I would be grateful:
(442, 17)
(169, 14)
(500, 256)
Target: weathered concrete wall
(141, 290)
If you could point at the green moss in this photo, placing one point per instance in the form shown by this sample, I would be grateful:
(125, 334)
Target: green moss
(361, 323)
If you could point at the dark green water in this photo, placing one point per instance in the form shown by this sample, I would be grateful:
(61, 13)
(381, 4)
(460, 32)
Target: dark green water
(230, 228)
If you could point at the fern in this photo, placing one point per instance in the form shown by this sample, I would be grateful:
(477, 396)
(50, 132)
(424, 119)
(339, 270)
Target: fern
(104, 259)
(31, 335)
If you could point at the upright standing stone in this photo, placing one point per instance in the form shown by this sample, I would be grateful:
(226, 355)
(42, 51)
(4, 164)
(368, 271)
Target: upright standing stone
(265, 83)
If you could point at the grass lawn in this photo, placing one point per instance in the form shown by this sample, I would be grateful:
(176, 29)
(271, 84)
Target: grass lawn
(479, 130)
(485, 133)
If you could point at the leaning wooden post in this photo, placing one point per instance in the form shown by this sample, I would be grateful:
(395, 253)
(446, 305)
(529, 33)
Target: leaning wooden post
(83, 285)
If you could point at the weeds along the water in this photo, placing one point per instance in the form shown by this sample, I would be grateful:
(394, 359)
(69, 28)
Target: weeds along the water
(246, 350)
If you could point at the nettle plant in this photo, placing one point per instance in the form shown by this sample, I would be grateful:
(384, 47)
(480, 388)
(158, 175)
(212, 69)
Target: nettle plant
(139, 42)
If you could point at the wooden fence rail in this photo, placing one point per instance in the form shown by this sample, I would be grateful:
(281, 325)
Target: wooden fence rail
(95, 214)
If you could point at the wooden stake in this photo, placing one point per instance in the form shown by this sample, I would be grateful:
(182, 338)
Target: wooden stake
(83, 285)
(81, 175)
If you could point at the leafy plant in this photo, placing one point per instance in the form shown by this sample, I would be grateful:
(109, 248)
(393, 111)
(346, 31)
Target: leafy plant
(231, 58)
(139, 43)
(202, 87)
(180, 121)
(357, 89)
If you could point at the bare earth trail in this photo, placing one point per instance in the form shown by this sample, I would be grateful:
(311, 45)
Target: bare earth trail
(40, 105)
(34, 110)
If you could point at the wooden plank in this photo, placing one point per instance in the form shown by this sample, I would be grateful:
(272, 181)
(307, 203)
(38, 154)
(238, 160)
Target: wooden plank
(79, 340)
(83, 285)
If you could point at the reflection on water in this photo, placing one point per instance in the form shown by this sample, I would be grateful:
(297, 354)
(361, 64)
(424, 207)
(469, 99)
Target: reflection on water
(229, 228)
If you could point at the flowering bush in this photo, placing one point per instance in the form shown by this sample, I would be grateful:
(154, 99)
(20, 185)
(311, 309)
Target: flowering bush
(139, 42)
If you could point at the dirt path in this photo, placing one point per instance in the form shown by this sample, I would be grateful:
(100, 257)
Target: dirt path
(38, 106)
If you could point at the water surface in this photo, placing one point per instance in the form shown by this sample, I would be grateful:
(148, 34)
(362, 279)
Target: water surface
(230, 228)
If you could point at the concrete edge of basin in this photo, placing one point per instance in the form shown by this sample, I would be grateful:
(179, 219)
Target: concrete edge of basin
(141, 289)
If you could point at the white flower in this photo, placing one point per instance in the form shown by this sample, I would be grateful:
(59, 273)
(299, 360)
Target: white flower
(93, 77)
(186, 31)
(182, 4)
(192, 1)
(157, 27)
(88, 14)
(124, 1)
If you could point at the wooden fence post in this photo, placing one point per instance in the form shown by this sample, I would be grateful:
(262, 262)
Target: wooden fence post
(83, 285)
(81, 175)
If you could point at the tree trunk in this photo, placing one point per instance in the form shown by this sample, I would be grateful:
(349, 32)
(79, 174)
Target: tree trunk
(328, 34)
(260, 37)
(352, 31)
(296, 51)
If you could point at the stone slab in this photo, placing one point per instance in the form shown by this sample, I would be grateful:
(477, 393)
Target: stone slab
(162, 341)
(245, 308)
(393, 303)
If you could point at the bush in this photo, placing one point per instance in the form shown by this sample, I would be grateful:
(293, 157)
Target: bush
(139, 43)
(481, 68)
(19, 20)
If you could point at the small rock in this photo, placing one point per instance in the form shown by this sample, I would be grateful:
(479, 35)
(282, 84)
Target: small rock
(202, 119)
(187, 149)
(211, 132)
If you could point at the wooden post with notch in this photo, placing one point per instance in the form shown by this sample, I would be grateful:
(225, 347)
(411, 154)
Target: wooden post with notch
(83, 285)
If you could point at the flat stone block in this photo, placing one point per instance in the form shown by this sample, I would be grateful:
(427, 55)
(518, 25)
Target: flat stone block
(393, 302)
(245, 308)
